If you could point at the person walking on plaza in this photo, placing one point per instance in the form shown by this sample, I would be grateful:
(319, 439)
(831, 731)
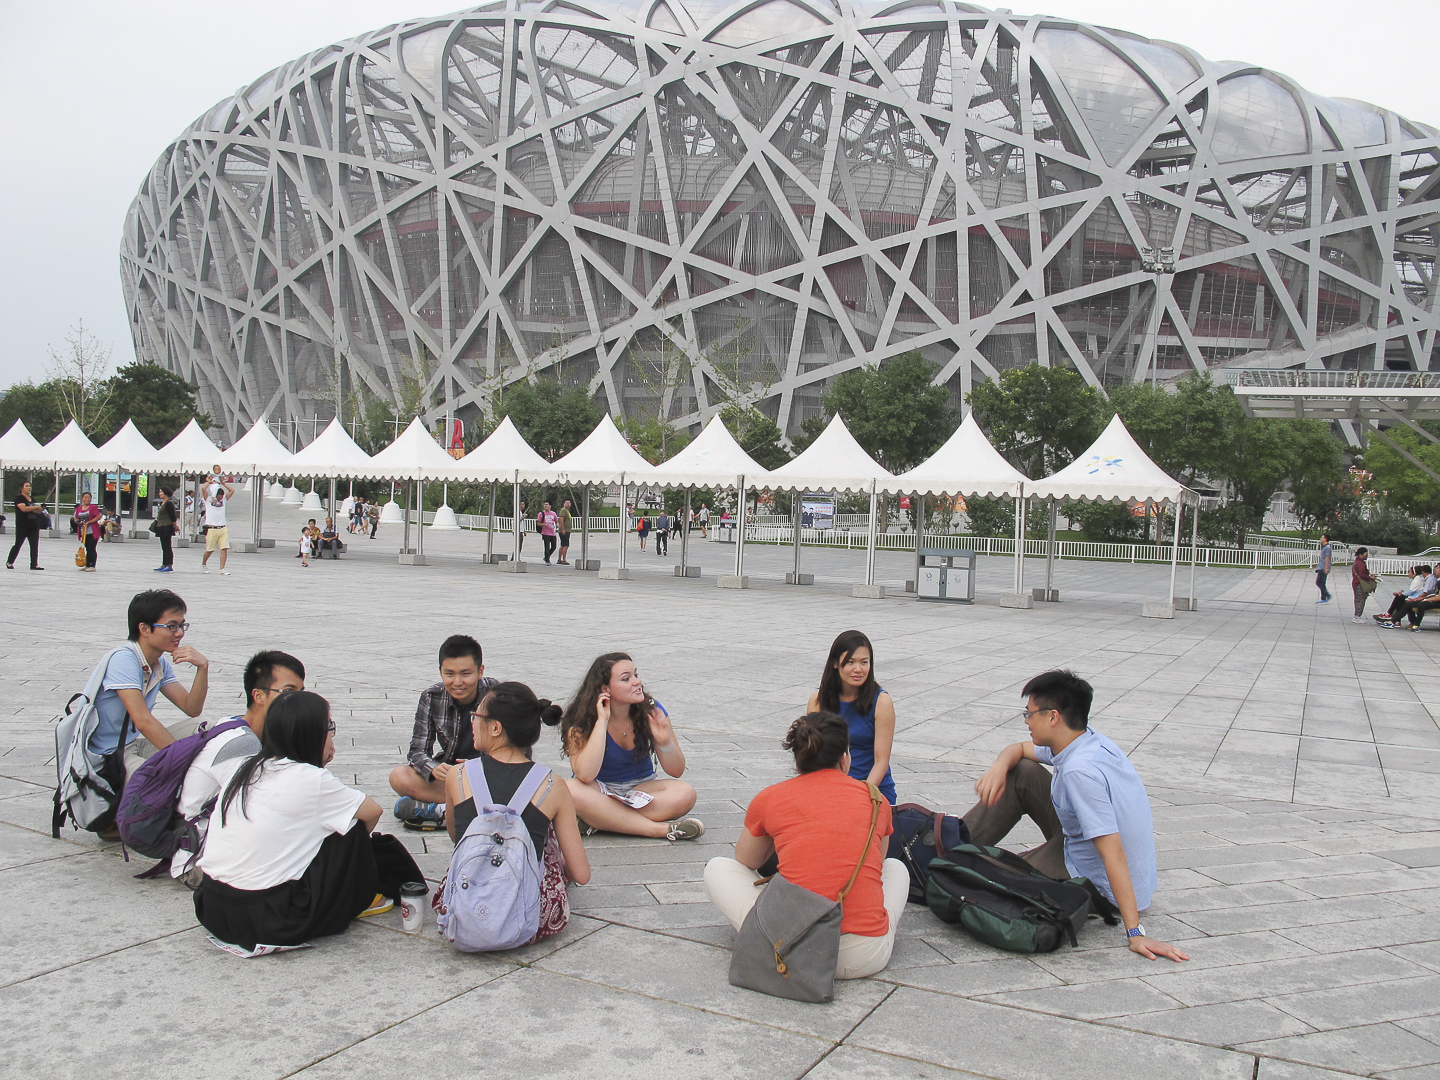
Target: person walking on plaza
(702, 518)
(566, 521)
(1322, 568)
(547, 522)
(642, 528)
(662, 534)
(164, 528)
(215, 494)
(1362, 582)
(524, 524)
(28, 516)
(89, 521)
(372, 514)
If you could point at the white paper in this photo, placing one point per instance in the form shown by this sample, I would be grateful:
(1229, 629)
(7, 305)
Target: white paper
(634, 799)
(259, 950)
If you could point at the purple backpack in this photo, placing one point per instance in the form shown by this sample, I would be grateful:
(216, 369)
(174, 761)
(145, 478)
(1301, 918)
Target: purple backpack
(147, 818)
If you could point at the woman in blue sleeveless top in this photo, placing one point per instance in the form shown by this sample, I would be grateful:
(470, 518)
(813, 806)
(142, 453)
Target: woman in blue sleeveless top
(614, 732)
(848, 689)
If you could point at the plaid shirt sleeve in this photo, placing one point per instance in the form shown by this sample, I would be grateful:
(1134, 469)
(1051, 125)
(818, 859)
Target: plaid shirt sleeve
(429, 724)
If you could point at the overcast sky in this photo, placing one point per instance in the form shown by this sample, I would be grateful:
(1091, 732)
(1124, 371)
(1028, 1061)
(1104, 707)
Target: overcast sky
(99, 88)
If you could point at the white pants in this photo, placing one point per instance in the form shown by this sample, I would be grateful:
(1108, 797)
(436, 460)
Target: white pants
(731, 887)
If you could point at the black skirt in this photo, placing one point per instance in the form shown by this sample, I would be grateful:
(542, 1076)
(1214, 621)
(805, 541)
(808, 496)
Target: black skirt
(340, 882)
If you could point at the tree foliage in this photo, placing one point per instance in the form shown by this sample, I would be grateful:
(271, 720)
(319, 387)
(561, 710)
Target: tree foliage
(554, 419)
(893, 410)
(1038, 417)
(757, 434)
(159, 401)
(1403, 484)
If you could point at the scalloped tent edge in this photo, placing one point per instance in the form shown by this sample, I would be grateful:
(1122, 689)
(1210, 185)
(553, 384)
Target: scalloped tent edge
(1113, 469)
(967, 464)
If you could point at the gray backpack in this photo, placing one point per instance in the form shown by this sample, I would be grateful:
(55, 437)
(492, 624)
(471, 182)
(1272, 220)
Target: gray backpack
(492, 892)
(88, 785)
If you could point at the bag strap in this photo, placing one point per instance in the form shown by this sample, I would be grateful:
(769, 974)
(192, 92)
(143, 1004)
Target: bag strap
(528, 787)
(874, 818)
(479, 786)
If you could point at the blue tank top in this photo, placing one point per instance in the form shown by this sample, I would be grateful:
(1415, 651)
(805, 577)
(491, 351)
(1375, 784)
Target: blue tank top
(623, 766)
(862, 745)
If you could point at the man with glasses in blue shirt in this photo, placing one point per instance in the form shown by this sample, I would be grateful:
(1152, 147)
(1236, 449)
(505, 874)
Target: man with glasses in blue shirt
(137, 675)
(1094, 811)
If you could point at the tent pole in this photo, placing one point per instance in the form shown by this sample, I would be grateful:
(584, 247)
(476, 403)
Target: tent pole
(624, 518)
(1019, 544)
(420, 518)
(870, 540)
(685, 535)
(405, 539)
(585, 529)
(259, 506)
(1050, 552)
(55, 500)
(490, 527)
(134, 498)
(333, 514)
(1194, 545)
(515, 516)
(795, 517)
(740, 526)
(1174, 547)
(919, 535)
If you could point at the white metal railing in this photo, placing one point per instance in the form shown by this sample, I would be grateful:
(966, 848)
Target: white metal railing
(505, 524)
(1303, 379)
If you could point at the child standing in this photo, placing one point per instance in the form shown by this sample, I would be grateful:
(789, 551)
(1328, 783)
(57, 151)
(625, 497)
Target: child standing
(305, 546)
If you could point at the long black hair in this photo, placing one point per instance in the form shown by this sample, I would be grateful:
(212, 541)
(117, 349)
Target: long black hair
(844, 647)
(295, 729)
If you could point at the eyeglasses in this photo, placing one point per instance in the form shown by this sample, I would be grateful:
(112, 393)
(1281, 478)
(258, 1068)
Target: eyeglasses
(173, 627)
(1025, 714)
(330, 727)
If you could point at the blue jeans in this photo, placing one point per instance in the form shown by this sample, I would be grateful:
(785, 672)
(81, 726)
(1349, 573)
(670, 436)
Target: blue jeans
(1320, 576)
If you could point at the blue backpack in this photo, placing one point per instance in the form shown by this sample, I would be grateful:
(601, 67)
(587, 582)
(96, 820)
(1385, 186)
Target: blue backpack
(492, 892)
(147, 817)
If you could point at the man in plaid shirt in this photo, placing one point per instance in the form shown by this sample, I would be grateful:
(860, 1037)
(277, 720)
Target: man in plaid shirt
(443, 717)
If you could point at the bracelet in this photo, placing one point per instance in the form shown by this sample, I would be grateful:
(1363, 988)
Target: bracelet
(1139, 931)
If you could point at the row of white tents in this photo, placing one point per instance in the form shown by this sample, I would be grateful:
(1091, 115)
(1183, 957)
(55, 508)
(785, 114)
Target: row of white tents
(1113, 469)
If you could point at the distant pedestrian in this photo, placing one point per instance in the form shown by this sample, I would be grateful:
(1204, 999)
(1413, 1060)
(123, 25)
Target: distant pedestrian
(372, 514)
(164, 527)
(28, 517)
(1322, 569)
(642, 529)
(547, 523)
(216, 493)
(1362, 582)
(524, 524)
(357, 515)
(89, 519)
(566, 521)
(303, 547)
(662, 534)
(702, 518)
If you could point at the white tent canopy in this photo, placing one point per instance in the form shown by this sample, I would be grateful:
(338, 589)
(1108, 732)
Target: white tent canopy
(128, 448)
(603, 458)
(72, 450)
(191, 449)
(714, 459)
(415, 455)
(332, 453)
(1113, 469)
(833, 462)
(257, 451)
(21, 450)
(966, 465)
(500, 457)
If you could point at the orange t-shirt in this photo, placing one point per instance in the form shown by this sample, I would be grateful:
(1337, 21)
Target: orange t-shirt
(818, 821)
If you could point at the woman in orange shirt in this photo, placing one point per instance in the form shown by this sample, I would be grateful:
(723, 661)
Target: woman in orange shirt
(814, 823)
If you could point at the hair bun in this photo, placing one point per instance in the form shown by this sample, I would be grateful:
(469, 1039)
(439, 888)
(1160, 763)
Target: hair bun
(550, 713)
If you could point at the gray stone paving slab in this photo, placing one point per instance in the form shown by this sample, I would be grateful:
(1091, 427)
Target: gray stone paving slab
(1290, 758)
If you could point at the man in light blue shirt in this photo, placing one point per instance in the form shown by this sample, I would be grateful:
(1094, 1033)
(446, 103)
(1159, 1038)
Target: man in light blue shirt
(1094, 811)
(1322, 568)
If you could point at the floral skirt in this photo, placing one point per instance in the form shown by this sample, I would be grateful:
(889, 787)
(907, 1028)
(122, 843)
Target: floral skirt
(554, 897)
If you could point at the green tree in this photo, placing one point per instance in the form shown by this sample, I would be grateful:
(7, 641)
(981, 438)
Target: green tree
(1406, 486)
(160, 402)
(1038, 417)
(554, 419)
(37, 405)
(1317, 475)
(893, 410)
(757, 434)
(1184, 430)
(1257, 461)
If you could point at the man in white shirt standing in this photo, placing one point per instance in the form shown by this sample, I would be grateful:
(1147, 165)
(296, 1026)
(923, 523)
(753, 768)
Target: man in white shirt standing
(216, 493)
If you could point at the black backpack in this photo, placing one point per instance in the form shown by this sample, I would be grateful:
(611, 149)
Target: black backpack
(920, 835)
(1003, 901)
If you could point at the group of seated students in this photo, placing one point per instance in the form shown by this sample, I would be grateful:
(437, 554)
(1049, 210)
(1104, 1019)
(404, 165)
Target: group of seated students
(1409, 605)
(291, 853)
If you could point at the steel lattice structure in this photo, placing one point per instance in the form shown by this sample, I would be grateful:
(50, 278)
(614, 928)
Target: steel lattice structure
(678, 201)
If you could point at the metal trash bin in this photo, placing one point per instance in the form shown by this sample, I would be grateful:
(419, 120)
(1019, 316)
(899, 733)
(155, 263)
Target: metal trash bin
(939, 576)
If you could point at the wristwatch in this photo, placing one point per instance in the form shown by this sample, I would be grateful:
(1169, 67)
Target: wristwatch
(1139, 931)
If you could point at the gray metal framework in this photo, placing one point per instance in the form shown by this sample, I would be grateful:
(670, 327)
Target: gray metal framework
(681, 202)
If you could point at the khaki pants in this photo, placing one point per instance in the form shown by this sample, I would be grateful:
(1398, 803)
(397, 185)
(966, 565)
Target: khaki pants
(731, 887)
(1027, 794)
(142, 747)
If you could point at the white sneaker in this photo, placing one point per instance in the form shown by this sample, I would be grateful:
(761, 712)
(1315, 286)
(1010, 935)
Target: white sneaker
(204, 569)
(224, 572)
(1359, 620)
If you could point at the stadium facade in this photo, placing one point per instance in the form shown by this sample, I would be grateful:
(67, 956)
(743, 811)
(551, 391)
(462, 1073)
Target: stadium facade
(678, 202)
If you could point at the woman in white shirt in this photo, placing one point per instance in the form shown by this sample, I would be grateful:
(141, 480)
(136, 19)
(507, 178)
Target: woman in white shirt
(289, 855)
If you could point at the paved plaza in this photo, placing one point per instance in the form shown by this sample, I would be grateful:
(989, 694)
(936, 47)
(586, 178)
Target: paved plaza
(1290, 755)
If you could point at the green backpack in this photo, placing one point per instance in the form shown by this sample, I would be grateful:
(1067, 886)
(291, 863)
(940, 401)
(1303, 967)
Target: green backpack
(1003, 901)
